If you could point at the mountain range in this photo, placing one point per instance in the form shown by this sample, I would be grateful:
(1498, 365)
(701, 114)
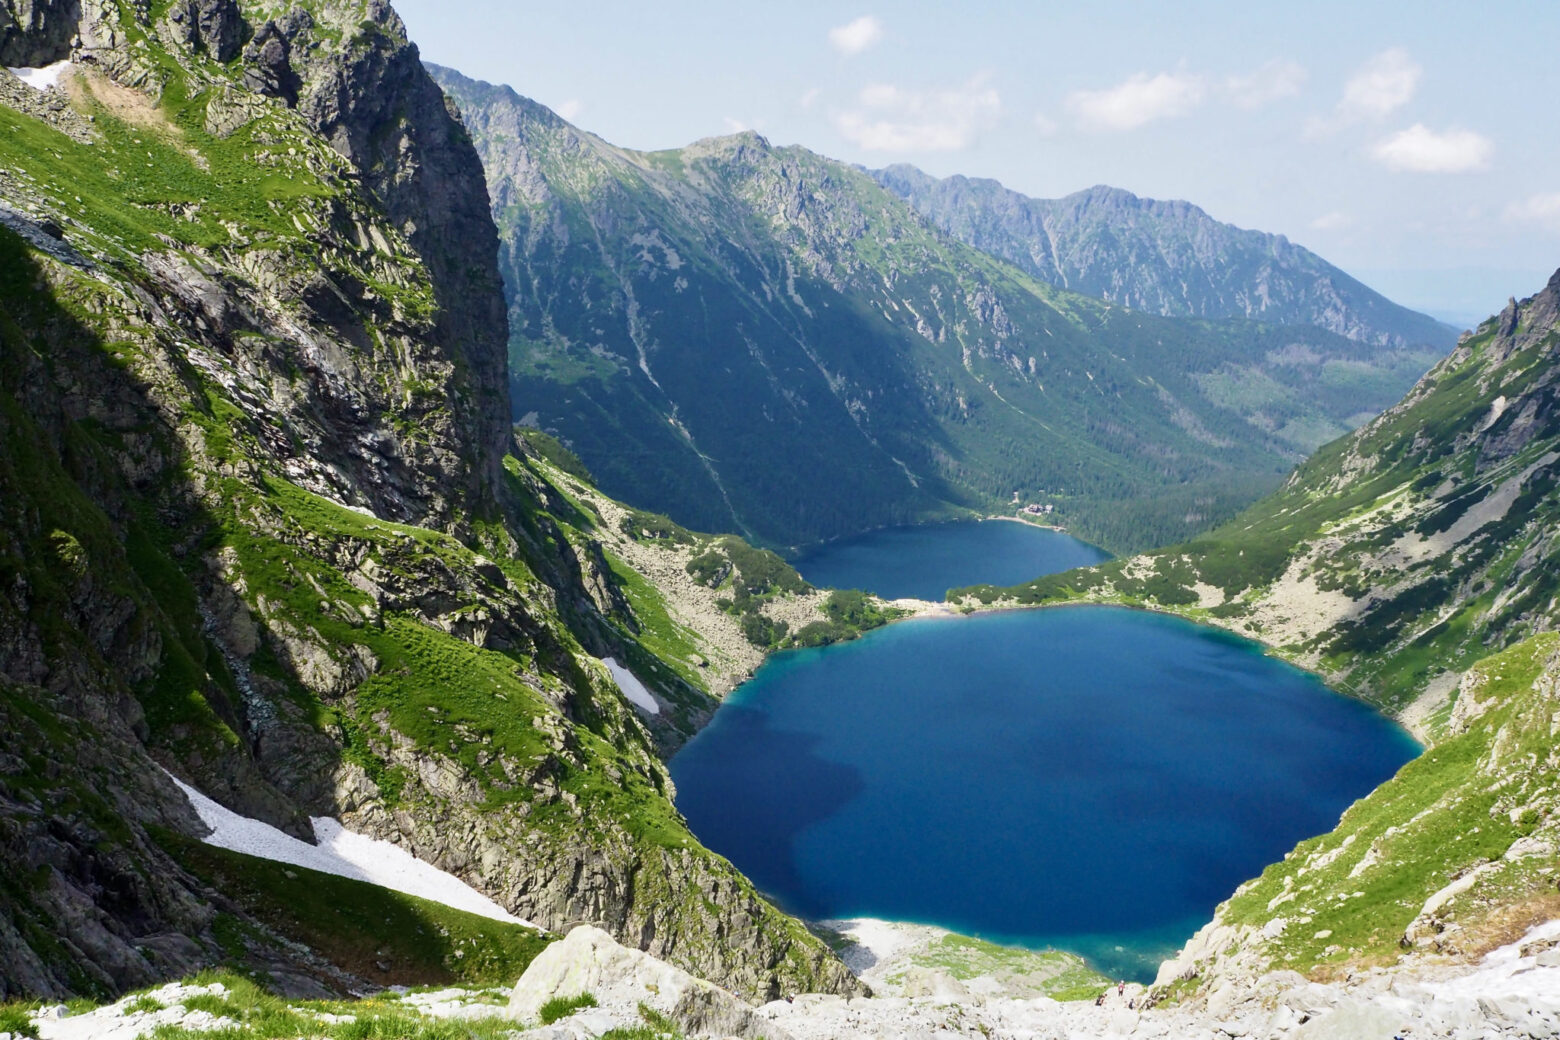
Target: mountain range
(1162, 257)
(762, 339)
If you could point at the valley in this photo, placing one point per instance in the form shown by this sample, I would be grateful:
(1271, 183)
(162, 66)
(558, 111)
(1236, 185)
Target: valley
(745, 314)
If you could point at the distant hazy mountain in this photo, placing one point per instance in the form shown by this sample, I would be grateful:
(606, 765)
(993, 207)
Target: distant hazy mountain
(765, 340)
(1168, 258)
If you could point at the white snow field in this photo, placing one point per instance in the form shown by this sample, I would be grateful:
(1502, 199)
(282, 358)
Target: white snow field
(632, 688)
(45, 78)
(343, 853)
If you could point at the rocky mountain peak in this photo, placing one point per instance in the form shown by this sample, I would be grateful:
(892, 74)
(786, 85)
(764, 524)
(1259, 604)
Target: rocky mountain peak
(1164, 257)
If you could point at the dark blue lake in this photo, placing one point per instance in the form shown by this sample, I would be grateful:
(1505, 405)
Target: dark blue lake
(1090, 778)
(927, 560)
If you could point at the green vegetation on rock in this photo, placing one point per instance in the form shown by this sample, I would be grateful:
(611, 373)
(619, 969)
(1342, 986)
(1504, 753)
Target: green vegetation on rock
(563, 1007)
(260, 529)
(391, 938)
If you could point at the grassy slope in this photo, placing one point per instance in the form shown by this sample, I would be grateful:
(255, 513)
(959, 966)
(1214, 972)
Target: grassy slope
(373, 932)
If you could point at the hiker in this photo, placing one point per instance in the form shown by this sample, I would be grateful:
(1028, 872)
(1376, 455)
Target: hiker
(1099, 1001)
(1121, 987)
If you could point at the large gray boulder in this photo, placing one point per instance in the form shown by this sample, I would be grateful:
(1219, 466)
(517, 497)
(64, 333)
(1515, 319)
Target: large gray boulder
(590, 961)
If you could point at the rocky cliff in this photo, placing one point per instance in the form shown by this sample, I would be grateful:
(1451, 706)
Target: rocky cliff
(265, 526)
(1162, 257)
(762, 339)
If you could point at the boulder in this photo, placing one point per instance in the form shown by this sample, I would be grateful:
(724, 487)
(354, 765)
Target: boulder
(589, 960)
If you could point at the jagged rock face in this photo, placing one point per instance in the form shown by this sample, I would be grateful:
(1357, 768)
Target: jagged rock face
(370, 98)
(37, 32)
(1162, 257)
(789, 350)
(379, 108)
(215, 26)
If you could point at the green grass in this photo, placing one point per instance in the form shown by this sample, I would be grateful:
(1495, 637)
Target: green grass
(1058, 975)
(563, 1007)
(669, 642)
(260, 1015)
(16, 1019)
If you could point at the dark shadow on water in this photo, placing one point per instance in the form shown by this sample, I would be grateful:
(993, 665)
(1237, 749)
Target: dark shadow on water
(759, 788)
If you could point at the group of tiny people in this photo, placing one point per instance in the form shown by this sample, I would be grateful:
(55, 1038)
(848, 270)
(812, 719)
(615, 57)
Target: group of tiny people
(1121, 991)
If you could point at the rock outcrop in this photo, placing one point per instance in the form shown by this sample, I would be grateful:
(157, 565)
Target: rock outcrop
(589, 961)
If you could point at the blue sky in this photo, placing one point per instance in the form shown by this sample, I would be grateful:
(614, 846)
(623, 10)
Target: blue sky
(1411, 144)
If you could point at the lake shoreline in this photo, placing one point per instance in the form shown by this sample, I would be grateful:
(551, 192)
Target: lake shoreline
(1089, 728)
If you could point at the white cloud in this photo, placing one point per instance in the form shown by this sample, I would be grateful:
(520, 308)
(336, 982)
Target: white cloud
(810, 98)
(1279, 78)
(1045, 124)
(1334, 221)
(1539, 209)
(1380, 87)
(855, 37)
(735, 126)
(1141, 99)
(892, 119)
(1422, 150)
(570, 109)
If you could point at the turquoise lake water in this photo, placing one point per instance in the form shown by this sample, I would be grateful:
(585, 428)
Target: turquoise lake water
(1093, 779)
(927, 560)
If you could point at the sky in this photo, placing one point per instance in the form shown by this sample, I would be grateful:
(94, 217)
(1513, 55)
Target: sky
(1413, 144)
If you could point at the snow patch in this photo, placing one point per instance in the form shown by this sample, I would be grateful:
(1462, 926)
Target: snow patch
(631, 687)
(46, 77)
(1505, 972)
(343, 853)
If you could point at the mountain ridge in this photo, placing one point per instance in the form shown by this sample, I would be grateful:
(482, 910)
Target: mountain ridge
(264, 525)
(1164, 256)
(703, 324)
